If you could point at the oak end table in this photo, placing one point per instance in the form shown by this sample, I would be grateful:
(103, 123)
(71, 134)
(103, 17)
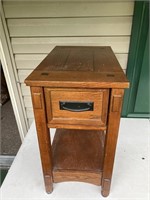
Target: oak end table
(78, 91)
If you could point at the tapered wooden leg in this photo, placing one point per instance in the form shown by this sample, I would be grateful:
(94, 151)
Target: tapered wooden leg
(111, 138)
(43, 136)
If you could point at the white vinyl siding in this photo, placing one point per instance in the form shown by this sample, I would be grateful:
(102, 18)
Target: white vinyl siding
(48, 9)
(36, 27)
(95, 26)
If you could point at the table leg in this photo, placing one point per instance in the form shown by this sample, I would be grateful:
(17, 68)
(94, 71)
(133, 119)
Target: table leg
(111, 138)
(43, 136)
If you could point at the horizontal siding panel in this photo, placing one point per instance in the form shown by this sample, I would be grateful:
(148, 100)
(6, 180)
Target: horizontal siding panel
(122, 58)
(29, 112)
(25, 90)
(97, 26)
(66, 9)
(28, 61)
(22, 75)
(45, 45)
(27, 101)
(30, 121)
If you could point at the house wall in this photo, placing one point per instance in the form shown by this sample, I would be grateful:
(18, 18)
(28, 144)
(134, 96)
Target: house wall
(36, 27)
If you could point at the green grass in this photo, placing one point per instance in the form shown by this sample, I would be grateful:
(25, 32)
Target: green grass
(3, 173)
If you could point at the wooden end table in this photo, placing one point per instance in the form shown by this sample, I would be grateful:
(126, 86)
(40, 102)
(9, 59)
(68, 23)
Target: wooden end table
(78, 91)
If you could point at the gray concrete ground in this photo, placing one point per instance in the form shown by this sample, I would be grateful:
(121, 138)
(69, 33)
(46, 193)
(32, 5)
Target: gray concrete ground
(10, 140)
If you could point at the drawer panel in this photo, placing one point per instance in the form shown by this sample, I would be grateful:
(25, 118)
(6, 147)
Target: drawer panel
(76, 107)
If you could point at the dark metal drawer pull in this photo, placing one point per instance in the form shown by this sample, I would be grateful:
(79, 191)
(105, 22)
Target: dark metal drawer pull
(76, 106)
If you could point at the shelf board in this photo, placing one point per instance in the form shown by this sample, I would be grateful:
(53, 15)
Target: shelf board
(78, 155)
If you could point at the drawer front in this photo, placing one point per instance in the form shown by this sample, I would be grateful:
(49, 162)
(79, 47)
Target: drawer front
(79, 108)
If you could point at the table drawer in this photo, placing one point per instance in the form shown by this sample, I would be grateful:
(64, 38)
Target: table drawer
(74, 108)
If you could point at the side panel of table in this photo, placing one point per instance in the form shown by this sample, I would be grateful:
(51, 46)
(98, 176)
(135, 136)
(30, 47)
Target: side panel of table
(43, 136)
(111, 138)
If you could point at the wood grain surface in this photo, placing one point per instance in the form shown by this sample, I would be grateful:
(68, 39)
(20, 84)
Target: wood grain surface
(95, 118)
(43, 136)
(82, 67)
(78, 155)
(111, 138)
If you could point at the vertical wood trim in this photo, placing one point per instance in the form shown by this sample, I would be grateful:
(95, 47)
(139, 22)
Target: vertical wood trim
(43, 135)
(111, 138)
(10, 75)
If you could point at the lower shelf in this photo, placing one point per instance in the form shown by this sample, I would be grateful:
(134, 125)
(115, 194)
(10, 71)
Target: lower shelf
(78, 155)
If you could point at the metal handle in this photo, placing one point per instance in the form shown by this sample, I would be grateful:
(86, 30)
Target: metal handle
(76, 106)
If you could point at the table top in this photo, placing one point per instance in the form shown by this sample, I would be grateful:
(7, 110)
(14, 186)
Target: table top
(79, 67)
